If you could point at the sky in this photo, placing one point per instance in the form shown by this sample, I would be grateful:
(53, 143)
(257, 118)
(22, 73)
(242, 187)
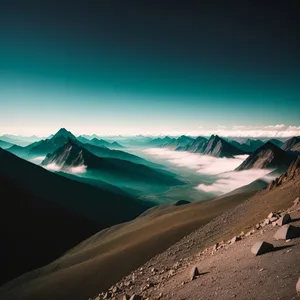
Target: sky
(150, 67)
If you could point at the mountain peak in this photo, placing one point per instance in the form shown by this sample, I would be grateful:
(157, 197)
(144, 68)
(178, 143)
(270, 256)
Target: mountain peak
(65, 133)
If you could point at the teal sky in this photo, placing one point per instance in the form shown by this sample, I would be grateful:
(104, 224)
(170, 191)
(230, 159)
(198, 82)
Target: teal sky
(144, 80)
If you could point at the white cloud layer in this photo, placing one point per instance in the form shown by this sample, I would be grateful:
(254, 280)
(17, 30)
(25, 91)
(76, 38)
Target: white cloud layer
(200, 163)
(226, 179)
(74, 170)
(279, 131)
(230, 181)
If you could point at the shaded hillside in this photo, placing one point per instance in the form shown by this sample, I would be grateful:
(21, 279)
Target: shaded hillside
(34, 231)
(71, 155)
(218, 147)
(103, 207)
(292, 144)
(267, 156)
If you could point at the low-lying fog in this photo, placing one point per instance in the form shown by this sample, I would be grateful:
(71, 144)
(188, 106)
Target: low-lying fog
(222, 169)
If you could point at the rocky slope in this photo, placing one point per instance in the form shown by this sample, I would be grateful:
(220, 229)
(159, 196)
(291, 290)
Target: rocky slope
(196, 146)
(221, 251)
(292, 144)
(218, 147)
(267, 156)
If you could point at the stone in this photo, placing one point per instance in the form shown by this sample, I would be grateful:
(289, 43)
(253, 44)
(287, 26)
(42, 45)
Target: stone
(260, 248)
(296, 202)
(235, 239)
(126, 297)
(298, 286)
(271, 215)
(194, 273)
(135, 297)
(287, 232)
(284, 220)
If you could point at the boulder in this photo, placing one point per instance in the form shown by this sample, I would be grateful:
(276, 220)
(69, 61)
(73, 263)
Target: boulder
(194, 273)
(285, 219)
(287, 232)
(261, 248)
(298, 286)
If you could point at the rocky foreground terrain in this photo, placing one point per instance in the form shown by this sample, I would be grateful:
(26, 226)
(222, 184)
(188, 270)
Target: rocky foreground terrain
(225, 259)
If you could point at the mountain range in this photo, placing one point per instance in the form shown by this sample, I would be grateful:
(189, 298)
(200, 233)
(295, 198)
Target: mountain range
(72, 155)
(267, 156)
(100, 143)
(44, 147)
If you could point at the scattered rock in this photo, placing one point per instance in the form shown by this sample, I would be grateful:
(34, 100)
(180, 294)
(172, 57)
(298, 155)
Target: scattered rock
(296, 202)
(284, 220)
(235, 239)
(287, 232)
(135, 297)
(194, 273)
(261, 248)
(271, 215)
(250, 232)
(107, 295)
(126, 297)
(298, 286)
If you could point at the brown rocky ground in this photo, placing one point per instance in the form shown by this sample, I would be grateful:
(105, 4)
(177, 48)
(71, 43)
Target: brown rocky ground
(231, 271)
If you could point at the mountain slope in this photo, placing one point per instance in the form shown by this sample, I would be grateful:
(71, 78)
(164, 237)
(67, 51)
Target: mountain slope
(43, 229)
(196, 146)
(292, 144)
(267, 156)
(160, 235)
(72, 155)
(103, 207)
(218, 147)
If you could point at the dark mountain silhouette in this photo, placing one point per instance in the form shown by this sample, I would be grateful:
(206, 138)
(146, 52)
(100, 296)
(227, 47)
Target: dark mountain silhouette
(161, 142)
(5, 145)
(103, 207)
(100, 142)
(34, 231)
(73, 155)
(103, 143)
(293, 144)
(174, 143)
(276, 142)
(248, 146)
(83, 139)
(267, 156)
(218, 147)
(196, 146)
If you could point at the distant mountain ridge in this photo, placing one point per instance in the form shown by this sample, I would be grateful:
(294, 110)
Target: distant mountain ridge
(267, 156)
(44, 147)
(293, 144)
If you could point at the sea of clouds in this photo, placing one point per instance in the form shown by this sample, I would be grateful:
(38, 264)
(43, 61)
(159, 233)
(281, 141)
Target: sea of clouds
(226, 179)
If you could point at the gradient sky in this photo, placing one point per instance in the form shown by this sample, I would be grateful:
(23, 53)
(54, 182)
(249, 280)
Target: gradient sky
(129, 67)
